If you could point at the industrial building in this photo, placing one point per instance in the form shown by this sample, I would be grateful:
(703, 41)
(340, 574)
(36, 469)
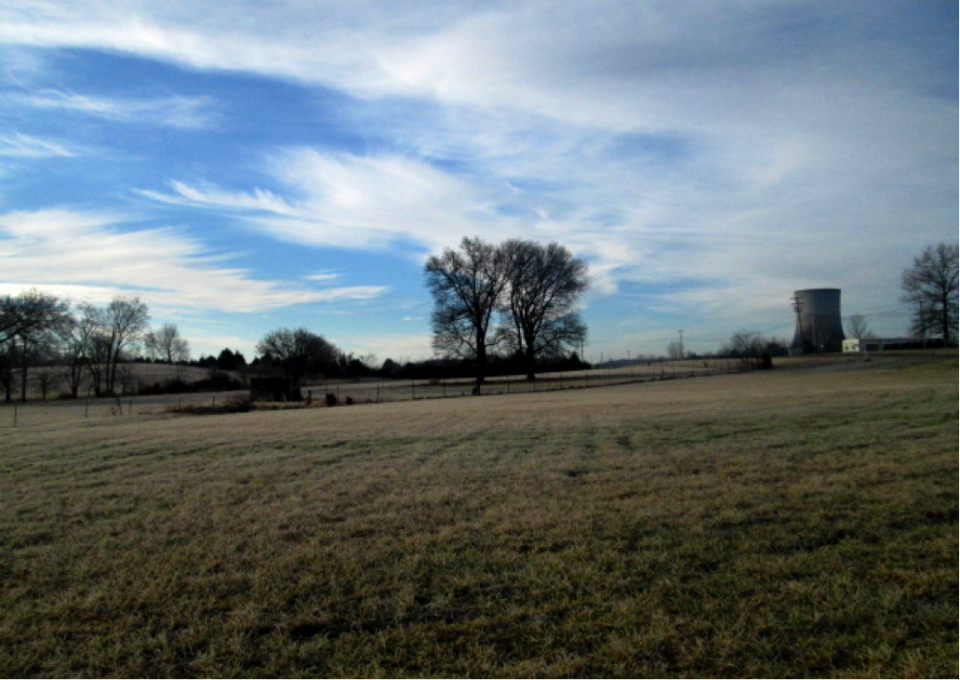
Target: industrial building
(819, 326)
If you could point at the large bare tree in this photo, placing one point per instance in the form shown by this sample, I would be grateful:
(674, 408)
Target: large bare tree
(545, 283)
(127, 319)
(930, 288)
(467, 286)
(116, 329)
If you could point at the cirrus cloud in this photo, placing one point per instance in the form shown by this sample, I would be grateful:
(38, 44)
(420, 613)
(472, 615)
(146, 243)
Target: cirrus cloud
(92, 257)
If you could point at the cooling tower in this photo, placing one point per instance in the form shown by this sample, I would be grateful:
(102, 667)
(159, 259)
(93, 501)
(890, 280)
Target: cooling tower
(819, 328)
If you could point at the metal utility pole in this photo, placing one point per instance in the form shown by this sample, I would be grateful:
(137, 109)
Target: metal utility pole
(798, 306)
(681, 343)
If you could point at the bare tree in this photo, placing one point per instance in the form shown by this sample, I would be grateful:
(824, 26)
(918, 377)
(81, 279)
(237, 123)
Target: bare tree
(674, 349)
(126, 321)
(752, 348)
(45, 380)
(467, 286)
(8, 359)
(857, 327)
(299, 352)
(930, 287)
(166, 344)
(74, 348)
(108, 334)
(544, 285)
(89, 346)
(30, 324)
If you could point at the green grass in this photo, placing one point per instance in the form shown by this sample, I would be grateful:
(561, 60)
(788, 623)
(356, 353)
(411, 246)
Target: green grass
(795, 523)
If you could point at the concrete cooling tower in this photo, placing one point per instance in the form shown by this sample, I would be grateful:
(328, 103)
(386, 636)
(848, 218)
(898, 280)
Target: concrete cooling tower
(819, 328)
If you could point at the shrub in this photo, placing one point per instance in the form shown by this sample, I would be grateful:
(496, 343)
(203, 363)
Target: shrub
(234, 404)
(237, 404)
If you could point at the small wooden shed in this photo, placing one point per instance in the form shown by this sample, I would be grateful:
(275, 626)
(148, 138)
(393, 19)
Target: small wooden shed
(274, 389)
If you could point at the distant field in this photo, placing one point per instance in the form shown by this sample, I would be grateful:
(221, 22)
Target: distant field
(55, 411)
(798, 522)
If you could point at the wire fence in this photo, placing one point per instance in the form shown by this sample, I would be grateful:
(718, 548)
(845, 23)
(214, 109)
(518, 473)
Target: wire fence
(349, 392)
(375, 391)
(53, 412)
(378, 391)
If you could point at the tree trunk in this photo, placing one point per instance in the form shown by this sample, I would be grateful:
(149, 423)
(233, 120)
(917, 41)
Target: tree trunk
(23, 376)
(945, 320)
(530, 360)
(481, 366)
(74, 377)
(7, 368)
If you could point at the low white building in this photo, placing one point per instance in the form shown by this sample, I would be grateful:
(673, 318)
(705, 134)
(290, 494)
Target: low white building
(863, 345)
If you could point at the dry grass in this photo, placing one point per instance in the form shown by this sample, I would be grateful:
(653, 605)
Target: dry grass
(795, 523)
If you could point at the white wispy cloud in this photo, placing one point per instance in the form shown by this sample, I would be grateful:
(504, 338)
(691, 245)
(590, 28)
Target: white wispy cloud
(91, 257)
(754, 147)
(212, 197)
(347, 200)
(27, 146)
(176, 111)
(323, 276)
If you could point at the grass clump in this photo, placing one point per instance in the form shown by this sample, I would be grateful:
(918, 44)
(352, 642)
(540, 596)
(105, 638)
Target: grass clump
(781, 524)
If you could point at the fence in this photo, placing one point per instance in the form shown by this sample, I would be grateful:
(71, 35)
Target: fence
(38, 413)
(378, 391)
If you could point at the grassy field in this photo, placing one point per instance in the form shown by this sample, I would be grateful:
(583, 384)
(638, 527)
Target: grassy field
(799, 522)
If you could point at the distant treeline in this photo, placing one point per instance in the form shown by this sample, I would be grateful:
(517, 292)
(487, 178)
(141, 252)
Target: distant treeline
(351, 367)
(215, 382)
(438, 369)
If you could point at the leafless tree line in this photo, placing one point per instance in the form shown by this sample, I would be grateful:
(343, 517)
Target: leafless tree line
(88, 344)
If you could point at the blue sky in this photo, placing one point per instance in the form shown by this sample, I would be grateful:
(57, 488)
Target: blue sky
(244, 166)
